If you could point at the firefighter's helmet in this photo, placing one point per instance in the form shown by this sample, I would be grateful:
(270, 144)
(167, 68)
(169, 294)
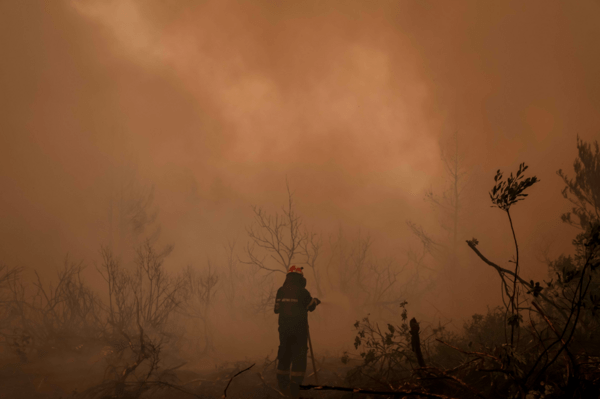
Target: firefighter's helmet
(296, 269)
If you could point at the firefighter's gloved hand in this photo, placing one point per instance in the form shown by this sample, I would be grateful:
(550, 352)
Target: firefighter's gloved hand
(313, 304)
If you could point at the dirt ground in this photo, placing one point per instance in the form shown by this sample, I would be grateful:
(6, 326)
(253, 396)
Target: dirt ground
(54, 377)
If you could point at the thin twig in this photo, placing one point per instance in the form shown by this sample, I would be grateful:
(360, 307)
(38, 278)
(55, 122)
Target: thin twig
(470, 353)
(501, 271)
(231, 379)
(549, 322)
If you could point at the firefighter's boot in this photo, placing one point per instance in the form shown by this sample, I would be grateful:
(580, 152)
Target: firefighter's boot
(296, 380)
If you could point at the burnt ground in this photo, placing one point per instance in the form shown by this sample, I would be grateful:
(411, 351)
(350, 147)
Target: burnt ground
(54, 377)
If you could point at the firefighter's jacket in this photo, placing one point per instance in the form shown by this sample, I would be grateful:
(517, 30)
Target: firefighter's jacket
(293, 301)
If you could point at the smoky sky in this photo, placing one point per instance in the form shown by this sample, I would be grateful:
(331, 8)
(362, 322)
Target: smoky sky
(217, 103)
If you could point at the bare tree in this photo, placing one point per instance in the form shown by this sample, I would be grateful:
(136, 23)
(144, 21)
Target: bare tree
(148, 290)
(230, 287)
(8, 274)
(280, 235)
(425, 270)
(359, 255)
(367, 280)
(136, 367)
(352, 257)
(200, 291)
(276, 242)
(338, 254)
(11, 308)
(8, 277)
(121, 307)
(310, 248)
(583, 191)
(61, 317)
(140, 305)
(157, 293)
(450, 202)
(385, 291)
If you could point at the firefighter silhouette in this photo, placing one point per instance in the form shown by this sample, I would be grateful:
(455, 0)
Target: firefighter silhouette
(292, 303)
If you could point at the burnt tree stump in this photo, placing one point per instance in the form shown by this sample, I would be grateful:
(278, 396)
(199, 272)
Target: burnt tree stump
(416, 341)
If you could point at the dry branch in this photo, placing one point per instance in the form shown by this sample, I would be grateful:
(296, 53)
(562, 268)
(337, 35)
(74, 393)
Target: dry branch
(480, 354)
(398, 394)
(502, 271)
(231, 379)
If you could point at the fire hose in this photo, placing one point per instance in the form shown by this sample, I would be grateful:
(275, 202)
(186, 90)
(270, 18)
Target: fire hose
(312, 355)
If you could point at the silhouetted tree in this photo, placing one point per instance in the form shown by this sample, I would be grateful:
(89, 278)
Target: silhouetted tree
(505, 194)
(555, 354)
(283, 241)
(231, 285)
(142, 303)
(584, 190)
(367, 280)
(200, 291)
(450, 202)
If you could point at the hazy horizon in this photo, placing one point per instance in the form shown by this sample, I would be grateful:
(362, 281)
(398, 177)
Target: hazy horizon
(216, 104)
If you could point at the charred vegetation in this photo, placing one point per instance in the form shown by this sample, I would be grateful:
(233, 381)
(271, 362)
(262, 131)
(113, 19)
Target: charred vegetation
(146, 331)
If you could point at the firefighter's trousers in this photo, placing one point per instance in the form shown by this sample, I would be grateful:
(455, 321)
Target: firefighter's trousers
(292, 352)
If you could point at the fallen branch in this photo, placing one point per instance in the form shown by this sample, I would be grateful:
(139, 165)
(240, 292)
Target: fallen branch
(231, 379)
(398, 394)
(313, 373)
(549, 323)
(319, 367)
(433, 371)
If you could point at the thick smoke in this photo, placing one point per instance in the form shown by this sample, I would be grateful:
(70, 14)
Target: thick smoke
(212, 106)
